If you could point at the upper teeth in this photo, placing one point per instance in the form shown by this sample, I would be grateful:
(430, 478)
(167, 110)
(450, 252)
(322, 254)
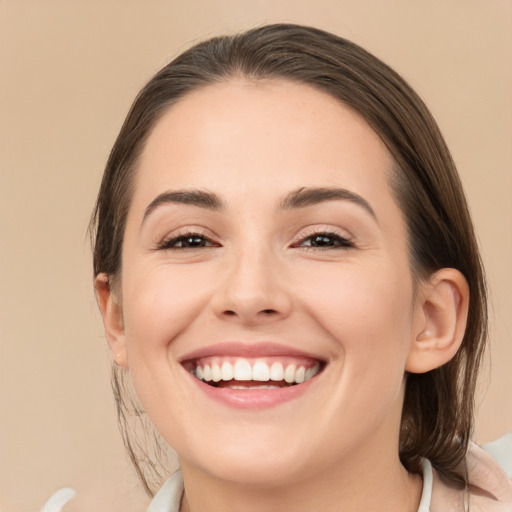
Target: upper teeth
(259, 370)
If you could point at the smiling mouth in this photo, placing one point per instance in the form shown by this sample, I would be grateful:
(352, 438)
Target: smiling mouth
(253, 373)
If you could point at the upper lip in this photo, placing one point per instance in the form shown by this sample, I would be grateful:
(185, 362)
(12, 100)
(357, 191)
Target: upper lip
(249, 350)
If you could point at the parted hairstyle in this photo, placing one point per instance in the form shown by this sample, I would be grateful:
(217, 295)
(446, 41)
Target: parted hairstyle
(437, 418)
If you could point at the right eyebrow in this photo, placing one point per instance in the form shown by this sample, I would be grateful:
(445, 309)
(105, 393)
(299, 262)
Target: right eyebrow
(200, 198)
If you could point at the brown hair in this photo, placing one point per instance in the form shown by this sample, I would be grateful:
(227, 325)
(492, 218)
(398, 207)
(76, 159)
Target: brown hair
(437, 417)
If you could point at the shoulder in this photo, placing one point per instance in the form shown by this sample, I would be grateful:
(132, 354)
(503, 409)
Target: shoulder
(501, 452)
(490, 487)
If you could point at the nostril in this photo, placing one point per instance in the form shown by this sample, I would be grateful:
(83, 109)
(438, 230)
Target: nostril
(247, 315)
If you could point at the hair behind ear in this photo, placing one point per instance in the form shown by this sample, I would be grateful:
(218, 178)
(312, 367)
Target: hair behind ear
(437, 416)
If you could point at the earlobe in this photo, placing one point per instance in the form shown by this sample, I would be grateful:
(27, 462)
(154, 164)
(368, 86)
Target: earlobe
(443, 311)
(112, 315)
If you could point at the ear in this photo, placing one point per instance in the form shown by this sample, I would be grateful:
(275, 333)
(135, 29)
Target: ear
(443, 312)
(112, 314)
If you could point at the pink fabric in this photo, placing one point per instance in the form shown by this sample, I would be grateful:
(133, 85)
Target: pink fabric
(490, 489)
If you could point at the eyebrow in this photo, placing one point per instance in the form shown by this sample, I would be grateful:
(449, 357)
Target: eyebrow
(308, 196)
(200, 198)
(300, 198)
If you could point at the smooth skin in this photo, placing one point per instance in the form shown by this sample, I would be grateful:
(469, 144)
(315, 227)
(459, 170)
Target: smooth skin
(254, 271)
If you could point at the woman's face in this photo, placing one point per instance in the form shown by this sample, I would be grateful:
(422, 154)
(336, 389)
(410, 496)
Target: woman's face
(263, 247)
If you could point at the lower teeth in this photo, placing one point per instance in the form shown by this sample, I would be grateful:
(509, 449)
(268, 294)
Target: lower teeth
(263, 386)
(246, 385)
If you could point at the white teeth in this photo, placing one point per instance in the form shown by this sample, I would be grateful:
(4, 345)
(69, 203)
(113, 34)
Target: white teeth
(300, 374)
(216, 375)
(259, 371)
(207, 373)
(242, 370)
(311, 372)
(227, 371)
(261, 386)
(289, 374)
(276, 371)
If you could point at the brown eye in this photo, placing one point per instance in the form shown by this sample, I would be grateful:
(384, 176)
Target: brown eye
(188, 241)
(326, 241)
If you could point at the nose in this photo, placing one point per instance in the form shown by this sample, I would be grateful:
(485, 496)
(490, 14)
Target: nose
(252, 290)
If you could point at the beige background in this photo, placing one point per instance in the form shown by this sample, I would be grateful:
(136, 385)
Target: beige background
(68, 73)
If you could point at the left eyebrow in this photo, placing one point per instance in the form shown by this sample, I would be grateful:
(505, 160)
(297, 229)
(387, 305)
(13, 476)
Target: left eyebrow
(309, 196)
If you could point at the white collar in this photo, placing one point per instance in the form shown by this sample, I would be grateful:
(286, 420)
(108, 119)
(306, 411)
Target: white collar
(428, 480)
(168, 498)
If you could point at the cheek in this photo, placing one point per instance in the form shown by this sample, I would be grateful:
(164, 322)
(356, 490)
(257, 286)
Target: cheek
(159, 304)
(368, 312)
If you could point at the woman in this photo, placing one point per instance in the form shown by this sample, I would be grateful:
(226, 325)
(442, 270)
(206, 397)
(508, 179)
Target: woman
(287, 271)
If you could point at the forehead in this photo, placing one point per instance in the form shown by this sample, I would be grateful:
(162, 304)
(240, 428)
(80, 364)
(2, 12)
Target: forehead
(274, 135)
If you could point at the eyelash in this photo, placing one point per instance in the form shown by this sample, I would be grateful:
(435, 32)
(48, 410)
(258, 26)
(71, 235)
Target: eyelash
(337, 242)
(170, 243)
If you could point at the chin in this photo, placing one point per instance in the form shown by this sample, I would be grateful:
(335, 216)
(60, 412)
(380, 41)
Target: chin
(254, 464)
(263, 473)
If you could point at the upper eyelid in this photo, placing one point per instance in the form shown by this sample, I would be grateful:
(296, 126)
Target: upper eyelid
(323, 229)
(187, 231)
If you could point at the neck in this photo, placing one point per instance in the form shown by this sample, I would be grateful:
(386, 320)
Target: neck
(381, 483)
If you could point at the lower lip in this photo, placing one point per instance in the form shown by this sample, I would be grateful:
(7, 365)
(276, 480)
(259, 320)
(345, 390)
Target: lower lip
(253, 398)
